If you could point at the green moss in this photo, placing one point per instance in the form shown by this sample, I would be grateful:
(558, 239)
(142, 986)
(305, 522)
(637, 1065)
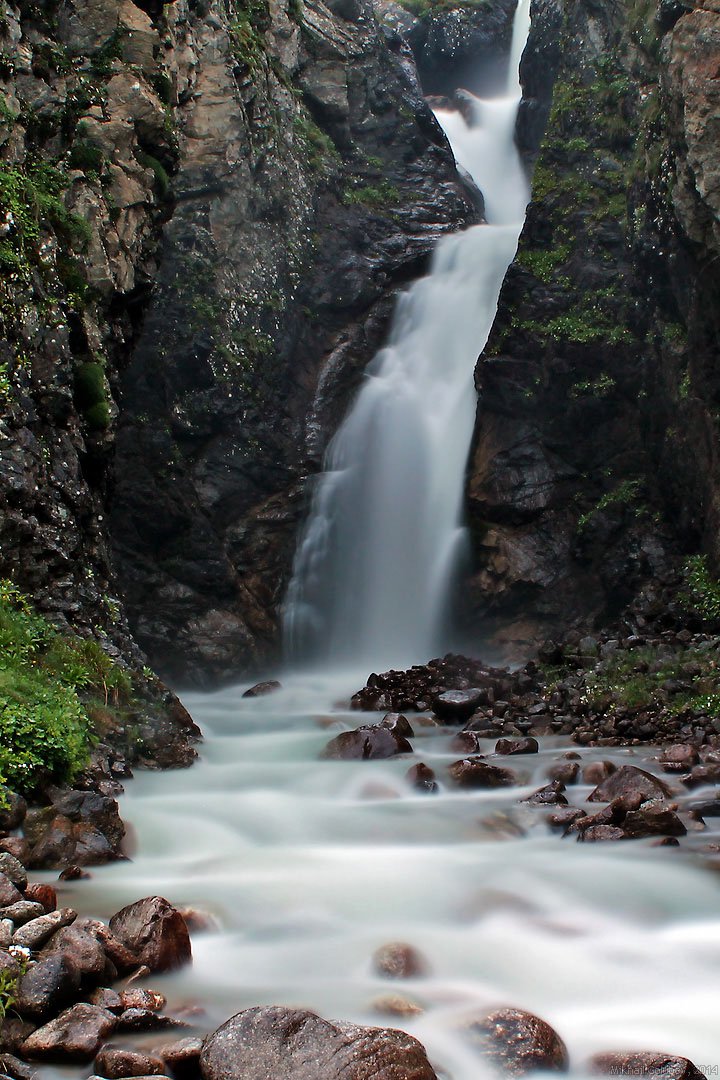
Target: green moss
(319, 149)
(701, 591)
(86, 157)
(383, 194)
(46, 680)
(543, 263)
(162, 180)
(597, 388)
(91, 395)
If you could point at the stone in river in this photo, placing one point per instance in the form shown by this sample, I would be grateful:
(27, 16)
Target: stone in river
(397, 960)
(182, 1058)
(519, 1042)
(565, 771)
(679, 758)
(422, 778)
(601, 832)
(278, 1042)
(262, 688)
(517, 746)
(629, 780)
(46, 988)
(458, 705)
(475, 773)
(155, 932)
(115, 1062)
(394, 1005)
(550, 795)
(35, 933)
(399, 724)
(653, 821)
(465, 742)
(649, 1064)
(365, 743)
(76, 1035)
(597, 771)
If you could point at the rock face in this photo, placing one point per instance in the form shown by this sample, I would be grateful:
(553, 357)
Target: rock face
(595, 455)
(264, 1042)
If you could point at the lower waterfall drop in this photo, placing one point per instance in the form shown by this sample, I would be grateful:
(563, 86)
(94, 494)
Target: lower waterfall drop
(378, 556)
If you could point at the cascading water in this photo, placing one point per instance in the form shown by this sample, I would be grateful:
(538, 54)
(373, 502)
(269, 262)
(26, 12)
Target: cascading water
(375, 565)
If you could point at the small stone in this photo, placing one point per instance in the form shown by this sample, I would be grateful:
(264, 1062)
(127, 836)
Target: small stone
(399, 724)
(398, 961)
(422, 778)
(105, 998)
(519, 1042)
(549, 795)
(601, 832)
(517, 746)
(262, 688)
(679, 758)
(115, 1062)
(473, 772)
(146, 1020)
(35, 933)
(182, 1058)
(394, 1005)
(73, 873)
(79, 945)
(565, 771)
(365, 743)
(22, 912)
(76, 1035)
(138, 998)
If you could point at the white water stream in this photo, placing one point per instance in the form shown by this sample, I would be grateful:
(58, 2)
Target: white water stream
(309, 866)
(375, 567)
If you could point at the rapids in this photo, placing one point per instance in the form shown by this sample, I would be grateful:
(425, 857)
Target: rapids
(308, 866)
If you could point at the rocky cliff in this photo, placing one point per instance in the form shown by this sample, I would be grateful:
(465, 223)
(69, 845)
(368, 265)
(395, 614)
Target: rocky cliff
(595, 462)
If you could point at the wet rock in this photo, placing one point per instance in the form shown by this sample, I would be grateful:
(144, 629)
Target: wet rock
(94, 811)
(399, 724)
(76, 1035)
(106, 998)
(182, 1058)
(278, 1042)
(14, 1032)
(146, 1020)
(646, 1063)
(565, 816)
(16, 1069)
(8, 893)
(394, 1005)
(597, 771)
(465, 742)
(519, 1042)
(115, 1062)
(262, 688)
(629, 780)
(679, 758)
(17, 846)
(13, 809)
(35, 933)
(365, 743)
(473, 772)
(456, 706)
(23, 912)
(422, 778)
(517, 746)
(40, 893)
(14, 870)
(124, 959)
(703, 774)
(137, 997)
(652, 821)
(549, 795)
(566, 772)
(155, 932)
(81, 947)
(601, 832)
(47, 987)
(73, 873)
(398, 961)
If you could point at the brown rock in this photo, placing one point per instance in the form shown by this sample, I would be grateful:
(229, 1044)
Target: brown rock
(646, 1063)
(394, 1005)
(8, 893)
(262, 688)
(17, 846)
(473, 772)
(35, 933)
(601, 832)
(13, 869)
(565, 771)
(22, 912)
(398, 961)
(597, 771)
(399, 724)
(519, 1042)
(679, 758)
(549, 795)
(76, 1035)
(138, 998)
(653, 821)
(566, 815)
(46, 988)
(456, 706)
(82, 948)
(115, 1062)
(421, 777)
(517, 746)
(465, 742)
(365, 743)
(277, 1042)
(43, 894)
(703, 774)
(182, 1058)
(155, 932)
(629, 780)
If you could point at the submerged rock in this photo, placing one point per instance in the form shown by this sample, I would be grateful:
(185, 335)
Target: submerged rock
(646, 1063)
(262, 688)
(276, 1042)
(366, 742)
(519, 1042)
(473, 772)
(630, 780)
(399, 961)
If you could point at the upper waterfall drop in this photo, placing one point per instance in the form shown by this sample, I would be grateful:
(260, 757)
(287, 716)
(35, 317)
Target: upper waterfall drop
(375, 563)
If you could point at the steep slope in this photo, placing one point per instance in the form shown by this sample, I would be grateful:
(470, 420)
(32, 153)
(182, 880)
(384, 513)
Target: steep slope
(595, 464)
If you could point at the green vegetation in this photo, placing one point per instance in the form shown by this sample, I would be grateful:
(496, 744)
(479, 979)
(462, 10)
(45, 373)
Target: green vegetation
(701, 594)
(86, 157)
(544, 262)
(91, 395)
(47, 682)
(162, 180)
(102, 60)
(318, 148)
(623, 495)
(427, 7)
(596, 388)
(384, 194)
(247, 21)
(582, 325)
(30, 200)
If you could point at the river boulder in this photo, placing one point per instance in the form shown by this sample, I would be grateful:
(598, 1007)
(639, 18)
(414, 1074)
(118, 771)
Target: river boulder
(278, 1042)
(646, 1063)
(366, 742)
(473, 772)
(155, 932)
(630, 780)
(519, 1042)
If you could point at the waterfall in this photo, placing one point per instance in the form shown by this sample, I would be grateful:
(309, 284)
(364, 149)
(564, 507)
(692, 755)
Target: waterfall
(378, 557)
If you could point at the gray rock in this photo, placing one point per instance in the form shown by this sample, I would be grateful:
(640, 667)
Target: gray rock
(35, 933)
(76, 1035)
(277, 1042)
(12, 868)
(47, 987)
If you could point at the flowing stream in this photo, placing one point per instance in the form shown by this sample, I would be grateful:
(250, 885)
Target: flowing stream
(308, 866)
(375, 567)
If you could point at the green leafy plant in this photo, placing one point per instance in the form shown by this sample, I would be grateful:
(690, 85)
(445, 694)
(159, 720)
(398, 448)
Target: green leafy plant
(701, 593)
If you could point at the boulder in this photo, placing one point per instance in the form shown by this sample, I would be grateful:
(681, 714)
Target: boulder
(456, 706)
(13, 809)
(679, 758)
(262, 688)
(182, 1058)
(398, 961)
(13, 869)
(597, 771)
(47, 987)
(8, 893)
(155, 932)
(652, 821)
(629, 780)
(76, 1035)
(82, 948)
(399, 724)
(519, 1042)
(649, 1064)
(473, 772)
(278, 1042)
(365, 743)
